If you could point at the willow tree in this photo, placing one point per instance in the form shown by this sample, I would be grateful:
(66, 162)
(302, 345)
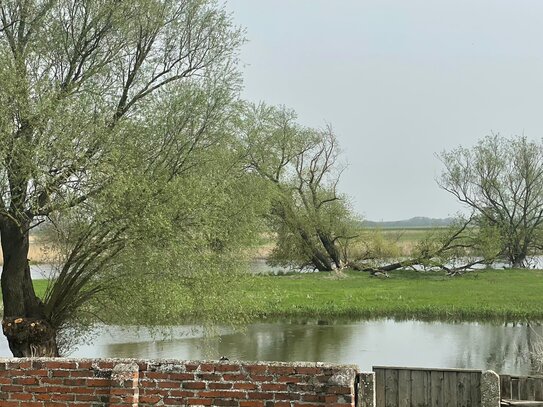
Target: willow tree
(501, 181)
(88, 100)
(310, 218)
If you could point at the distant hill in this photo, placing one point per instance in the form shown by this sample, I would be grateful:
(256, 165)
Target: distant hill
(416, 222)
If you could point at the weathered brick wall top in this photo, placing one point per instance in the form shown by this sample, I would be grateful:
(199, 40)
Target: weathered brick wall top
(128, 382)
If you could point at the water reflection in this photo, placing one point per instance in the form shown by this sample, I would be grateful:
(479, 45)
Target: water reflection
(503, 348)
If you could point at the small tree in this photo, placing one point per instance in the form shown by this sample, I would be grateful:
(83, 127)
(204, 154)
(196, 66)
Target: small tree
(501, 180)
(310, 218)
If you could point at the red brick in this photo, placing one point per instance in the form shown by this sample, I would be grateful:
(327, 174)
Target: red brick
(194, 385)
(149, 399)
(8, 388)
(246, 386)
(182, 393)
(98, 382)
(307, 370)
(25, 380)
(256, 368)
(231, 394)
(259, 395)
(204, 402)
(21, 396)
(169, 384)
(281, 369)
(181, 376)
(227, 368)
(37, 372)
(234, 377)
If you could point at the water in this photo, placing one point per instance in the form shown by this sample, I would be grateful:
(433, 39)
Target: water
(41, 271)
(503, 348)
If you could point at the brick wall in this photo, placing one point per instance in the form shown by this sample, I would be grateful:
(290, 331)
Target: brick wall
(126, 382)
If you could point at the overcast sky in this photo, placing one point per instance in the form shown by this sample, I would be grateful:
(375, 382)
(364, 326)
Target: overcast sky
(399, 80)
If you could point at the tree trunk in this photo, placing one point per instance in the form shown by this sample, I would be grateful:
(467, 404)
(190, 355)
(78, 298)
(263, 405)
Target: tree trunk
(321, 262)
(331, 248)
(25, 325)
(518, 261)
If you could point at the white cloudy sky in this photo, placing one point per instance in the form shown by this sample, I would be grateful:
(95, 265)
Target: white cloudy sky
(399, 80)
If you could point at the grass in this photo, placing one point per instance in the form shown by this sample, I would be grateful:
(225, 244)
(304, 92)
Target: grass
(496, 295)
(505, 295)
(40, 286)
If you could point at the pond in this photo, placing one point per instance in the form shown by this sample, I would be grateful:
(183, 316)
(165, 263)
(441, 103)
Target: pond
(504, 348)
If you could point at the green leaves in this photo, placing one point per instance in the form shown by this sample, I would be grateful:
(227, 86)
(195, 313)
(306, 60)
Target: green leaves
(501, 181)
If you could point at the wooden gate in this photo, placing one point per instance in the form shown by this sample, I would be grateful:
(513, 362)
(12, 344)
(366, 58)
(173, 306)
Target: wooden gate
(414, 387)
(521, 387)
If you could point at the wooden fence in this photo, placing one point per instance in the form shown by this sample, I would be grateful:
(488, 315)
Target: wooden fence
(521, 387)
(414, 387)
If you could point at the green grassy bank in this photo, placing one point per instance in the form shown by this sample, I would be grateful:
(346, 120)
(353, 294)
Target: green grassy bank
(511, 295)
(502, 295)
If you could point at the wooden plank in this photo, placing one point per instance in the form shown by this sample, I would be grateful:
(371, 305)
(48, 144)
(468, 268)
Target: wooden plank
(523, 388)
(379, 387)
(505, 386)
(530, 390)
(538, 391)
(404, 388)
(514, 388)
(475, 389)
(426, 369)
(391, 388)
(450, 389)
(464, 393)
(436, 388)
(420, 388)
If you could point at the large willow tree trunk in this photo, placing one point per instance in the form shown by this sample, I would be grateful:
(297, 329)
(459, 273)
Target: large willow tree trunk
(25, 325)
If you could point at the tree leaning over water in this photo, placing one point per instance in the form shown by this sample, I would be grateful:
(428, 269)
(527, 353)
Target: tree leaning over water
(501, 180)
(311, 219)
(114, 125)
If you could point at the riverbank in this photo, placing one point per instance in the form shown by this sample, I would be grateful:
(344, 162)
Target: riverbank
(498, 295)
(504, 295)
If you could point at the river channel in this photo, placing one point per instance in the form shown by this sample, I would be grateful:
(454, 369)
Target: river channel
(507, 348)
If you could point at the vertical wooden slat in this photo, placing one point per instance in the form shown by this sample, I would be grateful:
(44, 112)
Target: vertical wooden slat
(514, 388)
(391, 388)
(436, 388)
(523, 388)
(420, 388)
(428, 387)
(450, 389)
(530, 388)
(538, 392)
(505, 387)
(464, 394)
(379, 387)
(404, 388)
(475, 389)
